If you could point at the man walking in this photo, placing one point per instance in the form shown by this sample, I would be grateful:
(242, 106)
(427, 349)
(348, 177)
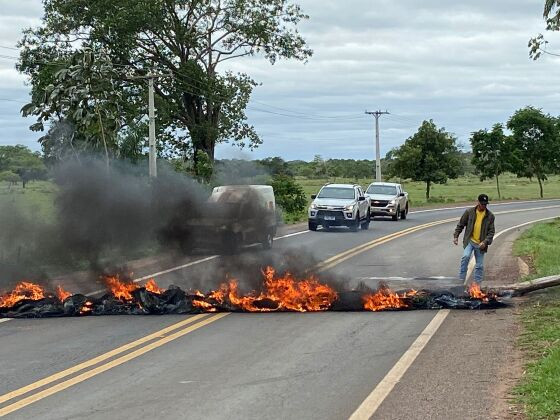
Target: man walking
(478, 223)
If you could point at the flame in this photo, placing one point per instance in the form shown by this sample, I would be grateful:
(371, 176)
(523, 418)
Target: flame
(23, 290)
(61, 293)
(281, 293)
(152, 286)
(384, 298)
(476, 293)
(86, 307)
(121, 290)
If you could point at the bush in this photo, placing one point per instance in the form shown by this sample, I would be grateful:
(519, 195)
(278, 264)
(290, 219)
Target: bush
(289, 194)
(9, 176)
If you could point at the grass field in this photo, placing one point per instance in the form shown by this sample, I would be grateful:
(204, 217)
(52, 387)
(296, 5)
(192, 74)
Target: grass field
(539, 390)
(36, 199)
(457, 190)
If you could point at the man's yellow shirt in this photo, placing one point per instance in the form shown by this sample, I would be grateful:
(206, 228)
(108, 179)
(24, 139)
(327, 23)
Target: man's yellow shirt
(475, 237)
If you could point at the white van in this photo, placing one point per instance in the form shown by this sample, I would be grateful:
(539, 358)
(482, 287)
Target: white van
(239, 215)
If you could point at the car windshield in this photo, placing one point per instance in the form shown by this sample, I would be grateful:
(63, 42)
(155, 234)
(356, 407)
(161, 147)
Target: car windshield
(382, 189)
(335, 192)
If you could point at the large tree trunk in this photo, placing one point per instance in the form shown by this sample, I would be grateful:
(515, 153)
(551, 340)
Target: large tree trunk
(428, 183)
(498, 187)
(523, 287)
(202, 126)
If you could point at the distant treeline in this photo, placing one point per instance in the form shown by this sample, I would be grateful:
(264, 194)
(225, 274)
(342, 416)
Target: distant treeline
(317, 168)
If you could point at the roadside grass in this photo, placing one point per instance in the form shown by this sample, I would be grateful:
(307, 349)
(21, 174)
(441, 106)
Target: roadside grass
(34, 208)
(463, 189)
(460, 190)
(539, 389)
(35, 200)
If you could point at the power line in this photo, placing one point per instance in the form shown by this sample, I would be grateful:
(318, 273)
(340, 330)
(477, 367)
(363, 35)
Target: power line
(197, 85)
(9, 48)
(12, 100)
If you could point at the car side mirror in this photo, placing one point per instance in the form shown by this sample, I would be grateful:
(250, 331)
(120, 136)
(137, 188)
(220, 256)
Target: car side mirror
(362, 198)
(401, 195)
(313, 196)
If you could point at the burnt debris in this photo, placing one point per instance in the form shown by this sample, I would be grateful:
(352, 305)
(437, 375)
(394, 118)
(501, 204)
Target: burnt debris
(174, 300)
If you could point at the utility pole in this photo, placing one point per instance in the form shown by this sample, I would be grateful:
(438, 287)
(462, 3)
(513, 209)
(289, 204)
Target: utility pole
(152, 152)
(377, 114)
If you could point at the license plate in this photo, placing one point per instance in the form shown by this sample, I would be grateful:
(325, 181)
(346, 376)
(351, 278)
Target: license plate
(330, 218)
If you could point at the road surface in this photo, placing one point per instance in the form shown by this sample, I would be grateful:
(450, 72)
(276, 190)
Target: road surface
(245, 366)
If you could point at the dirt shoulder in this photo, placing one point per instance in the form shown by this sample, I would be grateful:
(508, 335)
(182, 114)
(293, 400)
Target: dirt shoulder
(469, 367)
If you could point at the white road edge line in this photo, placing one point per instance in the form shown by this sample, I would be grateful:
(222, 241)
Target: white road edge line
(466, 207)
(372, 402)
(170, 270)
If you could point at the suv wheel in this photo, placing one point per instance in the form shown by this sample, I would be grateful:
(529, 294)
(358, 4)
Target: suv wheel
(312, 225)
(365, 223)
(404, 212)
(395, 217)
(356, 223)
(267, 240)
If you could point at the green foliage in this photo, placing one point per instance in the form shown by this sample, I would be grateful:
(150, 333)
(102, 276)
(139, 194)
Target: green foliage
(492, 153)
(289, 194)
(551, 14)
(276, 166)
(9, 176)
(21, 161)
(185, 42)
(536, 144)
(203, 166)
(539, 389)
(430, 155)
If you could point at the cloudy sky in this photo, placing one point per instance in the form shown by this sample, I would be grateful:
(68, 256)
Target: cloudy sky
(466, 66)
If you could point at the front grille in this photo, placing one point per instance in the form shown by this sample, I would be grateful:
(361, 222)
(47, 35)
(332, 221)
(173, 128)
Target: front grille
(379, 203)
(330, 208)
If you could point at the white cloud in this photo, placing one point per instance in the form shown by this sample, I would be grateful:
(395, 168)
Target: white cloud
(465, 65)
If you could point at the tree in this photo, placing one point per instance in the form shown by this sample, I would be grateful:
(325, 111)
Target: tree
(430, 155)
(536, 144)
(276, 166)
(22, 162)
(289, 194)
(186, 42)
(551, 14)
(10, 177)
(491, 153)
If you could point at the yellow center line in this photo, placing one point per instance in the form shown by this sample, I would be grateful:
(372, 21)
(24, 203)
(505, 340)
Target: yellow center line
(62, 374)
(102, 368)
(328, 263)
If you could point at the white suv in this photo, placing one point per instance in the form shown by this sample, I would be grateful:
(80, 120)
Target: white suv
(340, 205)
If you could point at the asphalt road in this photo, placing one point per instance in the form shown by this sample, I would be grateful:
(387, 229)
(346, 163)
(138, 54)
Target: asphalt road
(241, 366)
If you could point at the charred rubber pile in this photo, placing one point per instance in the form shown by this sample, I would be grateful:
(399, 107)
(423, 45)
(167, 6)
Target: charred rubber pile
(280, 293)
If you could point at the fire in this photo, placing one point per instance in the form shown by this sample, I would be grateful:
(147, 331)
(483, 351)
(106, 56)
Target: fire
(152, 286)
(87, 307)
(61, 293)
(476, 293)
(384, 298)
(23, 290)
(281, 293)
(121, 290)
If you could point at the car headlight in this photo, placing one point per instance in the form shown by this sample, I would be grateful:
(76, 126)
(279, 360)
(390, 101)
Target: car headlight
(392, 202)
(349, 207)
(313, 206)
